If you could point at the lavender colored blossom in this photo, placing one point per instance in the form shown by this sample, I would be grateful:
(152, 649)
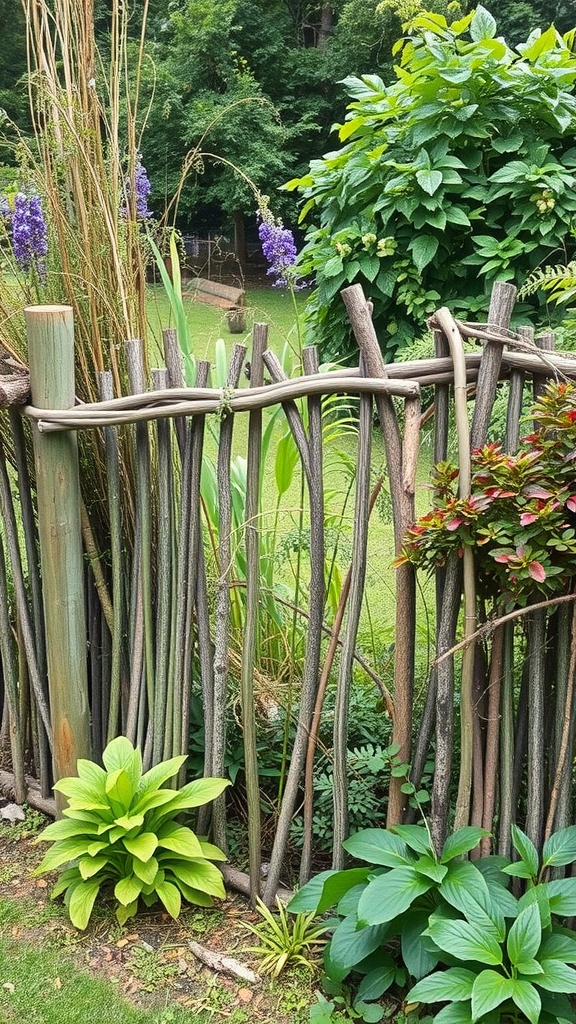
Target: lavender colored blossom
(5, 211)
(29, 232)
(142, 189)
(280, 251)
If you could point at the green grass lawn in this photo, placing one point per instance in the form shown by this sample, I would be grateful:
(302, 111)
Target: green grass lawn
(273, 306)
(276, 308)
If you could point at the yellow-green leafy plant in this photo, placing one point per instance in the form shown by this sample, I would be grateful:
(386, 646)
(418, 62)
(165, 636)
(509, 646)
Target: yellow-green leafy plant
(285, 939)
(120, 830)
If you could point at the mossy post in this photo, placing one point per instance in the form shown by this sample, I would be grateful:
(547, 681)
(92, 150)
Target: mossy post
(50, 333)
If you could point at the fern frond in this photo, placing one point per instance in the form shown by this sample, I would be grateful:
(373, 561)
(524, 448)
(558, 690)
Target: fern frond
(559, 282)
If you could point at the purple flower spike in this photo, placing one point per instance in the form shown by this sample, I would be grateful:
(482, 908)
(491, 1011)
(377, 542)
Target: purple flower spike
(280, 251)
(142, 188)
(29, 232)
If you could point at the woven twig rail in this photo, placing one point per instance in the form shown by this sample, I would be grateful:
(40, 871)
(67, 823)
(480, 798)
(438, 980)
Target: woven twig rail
(404, 380)
(174, 402)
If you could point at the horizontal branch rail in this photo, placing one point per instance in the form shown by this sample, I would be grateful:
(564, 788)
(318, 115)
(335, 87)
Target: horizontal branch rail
(155, 405)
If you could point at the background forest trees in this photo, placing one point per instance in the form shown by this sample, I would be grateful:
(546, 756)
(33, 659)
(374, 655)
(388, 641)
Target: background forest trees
(279, 63)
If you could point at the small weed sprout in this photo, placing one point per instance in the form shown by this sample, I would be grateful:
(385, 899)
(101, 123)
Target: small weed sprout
(285, 939)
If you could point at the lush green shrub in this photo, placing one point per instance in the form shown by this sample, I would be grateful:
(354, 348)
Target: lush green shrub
(120, 829)
(458, 174)
(409, 910)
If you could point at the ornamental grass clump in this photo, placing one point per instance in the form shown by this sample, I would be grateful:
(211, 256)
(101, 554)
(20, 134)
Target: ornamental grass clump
(119, 833)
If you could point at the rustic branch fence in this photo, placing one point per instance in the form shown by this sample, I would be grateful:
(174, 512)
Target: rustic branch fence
(98, 642)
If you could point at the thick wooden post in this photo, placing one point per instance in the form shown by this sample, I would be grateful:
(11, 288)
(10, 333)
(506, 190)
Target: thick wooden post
(50, 333)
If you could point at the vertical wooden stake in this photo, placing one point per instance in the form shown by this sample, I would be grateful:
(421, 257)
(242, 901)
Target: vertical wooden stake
(50, 333)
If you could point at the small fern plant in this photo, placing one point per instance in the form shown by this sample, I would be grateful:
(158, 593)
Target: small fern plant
(559, 282)
(119, 831)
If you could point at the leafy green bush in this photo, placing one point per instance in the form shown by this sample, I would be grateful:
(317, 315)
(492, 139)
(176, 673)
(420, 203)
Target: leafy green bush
(458, 174)
(119, 829)
(411, 909)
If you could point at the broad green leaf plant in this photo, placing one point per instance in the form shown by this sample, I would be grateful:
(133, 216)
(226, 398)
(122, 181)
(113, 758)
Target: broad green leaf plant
(459, 173)
(452, 925)
(120, 832)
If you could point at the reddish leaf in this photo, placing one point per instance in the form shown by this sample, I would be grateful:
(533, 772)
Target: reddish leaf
(527, 518)
(454, 524)
(537, 572)
(571, 503)
(534, 491)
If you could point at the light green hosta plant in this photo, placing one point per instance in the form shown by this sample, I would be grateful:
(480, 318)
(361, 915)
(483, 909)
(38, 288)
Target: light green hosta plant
(119, 829)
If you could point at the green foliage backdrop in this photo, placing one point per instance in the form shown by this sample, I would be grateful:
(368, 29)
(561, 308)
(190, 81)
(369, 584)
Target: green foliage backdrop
(458, 174)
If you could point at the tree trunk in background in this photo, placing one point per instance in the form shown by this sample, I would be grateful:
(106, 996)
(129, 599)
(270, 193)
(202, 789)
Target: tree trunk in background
(326, 25)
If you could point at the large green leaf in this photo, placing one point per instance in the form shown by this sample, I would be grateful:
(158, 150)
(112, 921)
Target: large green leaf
(339, 884)
(490, 989)
(160, 773)
(378, 981)
(454, 1013)
(89, 866)
(560, 848)
(181, 840)
(416, 837)
(90, 772)
(146, 871)
(527, 1000)
(454, 985)
(127, 890)
(194, 794)
(285, 462)
(170, 897)
(201, 899)
(153, 798)
(528, 852)
(143, 846)
(537, 894)
(120, 754)
(63, 851)
(88, 795)
(462, 841)
(212, 852)
(350, 944)
(483, 25)
(525, 935)
(465, 941)
(378, 846)
(430, 868)
(119, 788)
(309, 896)
(558, 946)
(391, 894)
(466, 889)
(66, 828)
(199, 874)
(429, 180)
(557, 977)
(416, 955)
(81, 902)
(562, 895)
(127, 822)
(424, 249)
